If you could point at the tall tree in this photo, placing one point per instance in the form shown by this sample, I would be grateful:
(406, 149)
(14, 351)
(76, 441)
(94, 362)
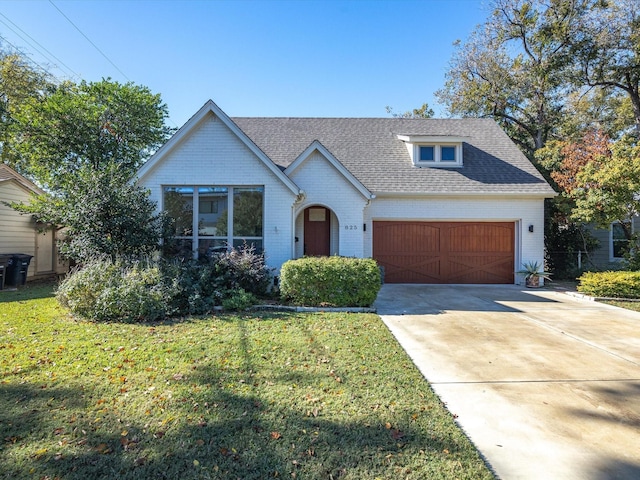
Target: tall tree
(423, 112)
(607, 50)
(602, 177)
(88, 127)
(515, 68)
(105, 215)
(20, 83)
(84, 143)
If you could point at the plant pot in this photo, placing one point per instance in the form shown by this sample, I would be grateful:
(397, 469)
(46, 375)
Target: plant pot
(533, 281)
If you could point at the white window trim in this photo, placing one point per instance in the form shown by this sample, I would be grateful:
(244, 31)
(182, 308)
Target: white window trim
(195, 237)
(611, 249)
(414, 142)
(437, 161)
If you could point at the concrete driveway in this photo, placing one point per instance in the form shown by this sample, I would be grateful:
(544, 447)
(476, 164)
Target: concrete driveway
(546, 385)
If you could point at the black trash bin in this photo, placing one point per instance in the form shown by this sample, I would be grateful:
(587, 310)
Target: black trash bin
(17, 269)
(4, 265)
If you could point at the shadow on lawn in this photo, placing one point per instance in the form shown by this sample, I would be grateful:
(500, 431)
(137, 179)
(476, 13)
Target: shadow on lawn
(27, 292)
(219, 433)
(247, 440)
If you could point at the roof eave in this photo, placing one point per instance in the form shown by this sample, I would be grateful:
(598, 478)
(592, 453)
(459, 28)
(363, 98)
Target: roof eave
(211, 108)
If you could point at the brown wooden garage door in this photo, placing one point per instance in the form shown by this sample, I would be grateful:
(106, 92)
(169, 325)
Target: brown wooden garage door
(445, 252)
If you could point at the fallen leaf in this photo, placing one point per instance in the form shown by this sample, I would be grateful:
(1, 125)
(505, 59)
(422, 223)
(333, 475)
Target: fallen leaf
(276, 435)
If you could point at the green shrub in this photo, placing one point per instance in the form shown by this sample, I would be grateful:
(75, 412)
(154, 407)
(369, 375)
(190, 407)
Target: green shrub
(116, 290)
(330, 281)
(242, 268)
(237, 300)
(191, 286)
(623, 284)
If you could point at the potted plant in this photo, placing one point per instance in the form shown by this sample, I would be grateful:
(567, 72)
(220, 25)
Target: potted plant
(533, 272)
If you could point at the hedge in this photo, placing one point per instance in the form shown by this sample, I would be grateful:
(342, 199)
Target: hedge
(622, 284)
(330, 281)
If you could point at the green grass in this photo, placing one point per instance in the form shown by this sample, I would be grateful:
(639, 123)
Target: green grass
(313, 396)
(623, 304)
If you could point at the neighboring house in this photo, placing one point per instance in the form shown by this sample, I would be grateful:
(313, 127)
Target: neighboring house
(612, 245)
(432, 200)
(20, 233)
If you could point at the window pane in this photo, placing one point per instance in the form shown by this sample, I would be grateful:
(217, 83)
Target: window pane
(427, 154)
(448, 154)
(208, 247)
(212, 211)
(247, 212)
(620, 242)
(178, 203)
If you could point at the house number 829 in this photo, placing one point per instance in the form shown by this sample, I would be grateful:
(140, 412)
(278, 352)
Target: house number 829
(350, 227)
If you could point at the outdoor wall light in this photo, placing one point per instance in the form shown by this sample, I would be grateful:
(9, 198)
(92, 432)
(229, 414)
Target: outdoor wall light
(531, 228)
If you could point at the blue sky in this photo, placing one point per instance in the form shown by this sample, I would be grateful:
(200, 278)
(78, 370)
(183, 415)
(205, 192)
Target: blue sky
(329, 58)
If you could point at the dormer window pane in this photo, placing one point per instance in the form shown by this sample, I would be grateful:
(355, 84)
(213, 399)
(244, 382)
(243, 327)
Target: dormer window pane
(448, 154)
(427, 153)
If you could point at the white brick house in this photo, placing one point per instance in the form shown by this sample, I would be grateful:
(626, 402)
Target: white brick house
(432, 200)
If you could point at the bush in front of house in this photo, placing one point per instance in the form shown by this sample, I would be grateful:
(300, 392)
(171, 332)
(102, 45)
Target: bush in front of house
(330, 281)
(620, 284)
(242, 268)
(131, 291)
(107, 289)
(190, 285)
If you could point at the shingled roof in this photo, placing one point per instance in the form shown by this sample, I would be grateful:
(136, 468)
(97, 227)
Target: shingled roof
(8, 174)
(370, 150)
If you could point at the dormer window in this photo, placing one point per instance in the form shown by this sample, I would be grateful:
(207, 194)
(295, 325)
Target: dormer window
(431, 151)
(443, 154)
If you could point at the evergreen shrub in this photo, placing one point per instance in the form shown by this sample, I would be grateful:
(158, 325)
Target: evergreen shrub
(330, 281)
(620, 284)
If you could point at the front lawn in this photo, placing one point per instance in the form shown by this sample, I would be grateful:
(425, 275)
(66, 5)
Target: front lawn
(313, 396)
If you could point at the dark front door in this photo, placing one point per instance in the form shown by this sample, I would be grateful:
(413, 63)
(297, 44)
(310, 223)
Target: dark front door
(317, 231)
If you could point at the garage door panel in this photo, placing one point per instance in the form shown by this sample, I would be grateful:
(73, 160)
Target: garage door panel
(445, 252)
(474, 269)
(480, 238)
(411, 268)
(409, 238)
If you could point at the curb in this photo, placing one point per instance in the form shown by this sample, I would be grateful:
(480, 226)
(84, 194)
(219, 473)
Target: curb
(583, 296)
(287, 308)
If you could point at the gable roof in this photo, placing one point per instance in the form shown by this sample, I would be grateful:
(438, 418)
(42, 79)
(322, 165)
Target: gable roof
(370, 149)
(317, 146)
(8, 174)
(210, 108)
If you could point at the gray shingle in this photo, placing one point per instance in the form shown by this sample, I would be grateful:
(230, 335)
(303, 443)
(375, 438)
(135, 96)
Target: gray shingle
(370, 150)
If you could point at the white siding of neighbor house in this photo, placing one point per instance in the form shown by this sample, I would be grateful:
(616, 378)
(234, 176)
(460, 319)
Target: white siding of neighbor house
(524, 212)
(17, 232)
(213, 155)
(324, 185)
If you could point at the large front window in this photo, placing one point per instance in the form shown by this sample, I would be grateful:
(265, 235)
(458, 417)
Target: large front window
(209, 219)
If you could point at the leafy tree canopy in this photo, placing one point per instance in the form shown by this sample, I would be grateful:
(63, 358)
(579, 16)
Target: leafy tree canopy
(105, 216)
(602, 177)
(423, 112)
(20, 83)
(88, 127)
(515, 68)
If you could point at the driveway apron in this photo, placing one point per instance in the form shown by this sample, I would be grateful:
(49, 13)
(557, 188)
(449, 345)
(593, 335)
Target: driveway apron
(546, 385)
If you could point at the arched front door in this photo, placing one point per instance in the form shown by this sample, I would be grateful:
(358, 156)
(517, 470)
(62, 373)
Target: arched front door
(317, 231)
